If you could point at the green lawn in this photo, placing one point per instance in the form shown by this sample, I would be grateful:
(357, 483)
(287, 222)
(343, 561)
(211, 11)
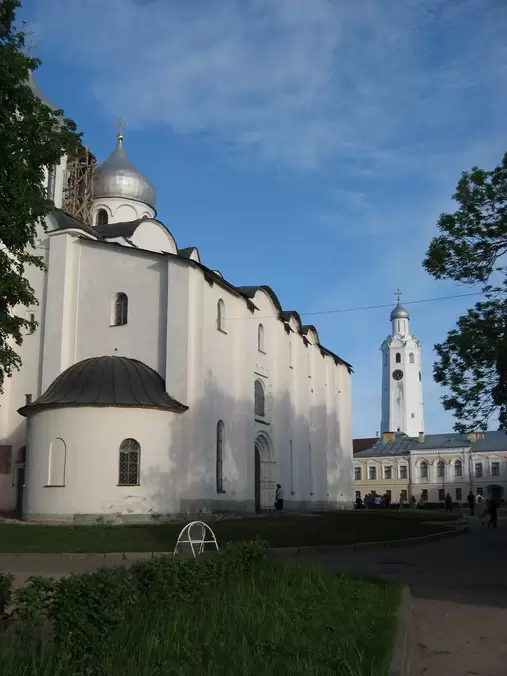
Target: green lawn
(322, 529)
(291, 620)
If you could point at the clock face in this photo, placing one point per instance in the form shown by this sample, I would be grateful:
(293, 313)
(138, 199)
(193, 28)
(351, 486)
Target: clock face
(397, 375)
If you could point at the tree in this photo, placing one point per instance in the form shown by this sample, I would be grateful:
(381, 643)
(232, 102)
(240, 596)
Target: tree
(472, 361)
(32, 138)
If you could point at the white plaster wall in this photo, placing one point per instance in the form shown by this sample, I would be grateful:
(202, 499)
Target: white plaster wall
(153, 236)
(402, 404)
(121, 210)
(103, 272)
(92, 437)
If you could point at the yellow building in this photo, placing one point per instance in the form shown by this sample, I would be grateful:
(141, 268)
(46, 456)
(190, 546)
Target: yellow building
(431, 466)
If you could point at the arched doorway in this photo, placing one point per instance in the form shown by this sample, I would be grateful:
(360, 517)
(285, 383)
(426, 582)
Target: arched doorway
(264, 463)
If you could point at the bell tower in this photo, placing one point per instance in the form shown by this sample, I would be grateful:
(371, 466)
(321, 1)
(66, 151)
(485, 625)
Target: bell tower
(402, 401)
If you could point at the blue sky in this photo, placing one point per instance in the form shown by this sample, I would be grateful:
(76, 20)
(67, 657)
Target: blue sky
(305, 144)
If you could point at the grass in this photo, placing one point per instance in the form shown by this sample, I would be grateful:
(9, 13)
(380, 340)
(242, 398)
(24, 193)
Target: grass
(335, 528)
(285, 620)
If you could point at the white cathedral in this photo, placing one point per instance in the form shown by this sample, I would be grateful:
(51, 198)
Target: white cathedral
(152, 387)
(402, 400)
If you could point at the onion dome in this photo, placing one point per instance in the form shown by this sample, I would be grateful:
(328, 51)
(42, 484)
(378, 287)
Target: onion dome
(117, 177)
(107, 381)
(399, 312)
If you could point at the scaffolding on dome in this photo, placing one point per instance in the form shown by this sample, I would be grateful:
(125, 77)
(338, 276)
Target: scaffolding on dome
(77, 190)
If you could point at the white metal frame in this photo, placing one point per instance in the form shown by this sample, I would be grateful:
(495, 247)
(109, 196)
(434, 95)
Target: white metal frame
(197, 541)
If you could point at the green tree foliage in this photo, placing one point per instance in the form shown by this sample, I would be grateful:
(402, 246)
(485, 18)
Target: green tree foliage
(472, 361)
(32, 138)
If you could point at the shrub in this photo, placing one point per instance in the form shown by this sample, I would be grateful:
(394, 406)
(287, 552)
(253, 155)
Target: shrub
(6, 580)
(33, 602)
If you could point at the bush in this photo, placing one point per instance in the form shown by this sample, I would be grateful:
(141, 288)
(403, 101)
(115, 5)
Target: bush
(87, 610)
(6, 580)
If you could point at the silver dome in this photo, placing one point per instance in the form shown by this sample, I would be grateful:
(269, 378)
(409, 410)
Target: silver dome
(399, 312)
(117, 177)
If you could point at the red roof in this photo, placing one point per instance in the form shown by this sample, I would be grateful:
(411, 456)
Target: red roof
(363, 444)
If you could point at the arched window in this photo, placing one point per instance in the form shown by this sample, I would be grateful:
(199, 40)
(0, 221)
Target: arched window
(424, 469)
(260, 399)
(440, 469)
(260, 338)
(57, 459)
(221, 315)
(458, 468)
(398, 358)
(129, 463)
(220, 458)
(102, 217)
(411, 357)
(121, 308)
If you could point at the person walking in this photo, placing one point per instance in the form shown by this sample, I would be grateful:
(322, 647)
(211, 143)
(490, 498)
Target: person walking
(279, 497)
(482, 508)
(471, 502)
(493, 513)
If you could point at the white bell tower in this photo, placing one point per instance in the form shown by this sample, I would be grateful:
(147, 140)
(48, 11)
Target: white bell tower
(402, 400)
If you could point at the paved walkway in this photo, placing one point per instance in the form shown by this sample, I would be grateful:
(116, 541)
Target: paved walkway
(459, 588)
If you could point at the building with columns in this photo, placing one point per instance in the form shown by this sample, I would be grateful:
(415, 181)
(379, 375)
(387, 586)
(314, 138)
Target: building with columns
(152, 386)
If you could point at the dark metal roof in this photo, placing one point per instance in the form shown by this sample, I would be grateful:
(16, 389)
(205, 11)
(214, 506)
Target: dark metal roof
(187, 251)
(107, 381)
(64, 221)
(492, 441)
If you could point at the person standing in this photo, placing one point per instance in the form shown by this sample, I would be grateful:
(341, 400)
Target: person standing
(448, 502)
(493, 513)
(482, 508)
(471, 502)
(279, 497)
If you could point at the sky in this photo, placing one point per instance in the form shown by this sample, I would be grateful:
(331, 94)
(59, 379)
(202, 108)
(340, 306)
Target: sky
(309, 145)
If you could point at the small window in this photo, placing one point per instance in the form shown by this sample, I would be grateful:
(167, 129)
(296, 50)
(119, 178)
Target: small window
(357, 473)
(220, 458)
(221, 315)
(411, 358)
(30, 317)
(458, 468)
(424, 494)
(51, 183)
(385, 359)
(440, 469)
(403, 495)
(372, 473)
(260, 338)
(121, 309)
(260, 399)
(388, 472)
(398, 358)
(478, 469)
(459, 494)
(441, 494)
(57, 458)
(102, 217)
(129, 463)
(424, 470)
(403, 472)
(495, 469)
(480, 491)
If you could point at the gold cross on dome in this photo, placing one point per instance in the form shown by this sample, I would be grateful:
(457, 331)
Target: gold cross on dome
(120, 125)
(398, 295)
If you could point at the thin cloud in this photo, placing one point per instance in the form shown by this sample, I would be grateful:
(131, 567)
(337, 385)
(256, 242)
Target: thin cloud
(295, 82)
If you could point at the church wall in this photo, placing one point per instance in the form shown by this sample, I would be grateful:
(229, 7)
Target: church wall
(121, 210)
(92, 437)
(23, 383)
(105, 271)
